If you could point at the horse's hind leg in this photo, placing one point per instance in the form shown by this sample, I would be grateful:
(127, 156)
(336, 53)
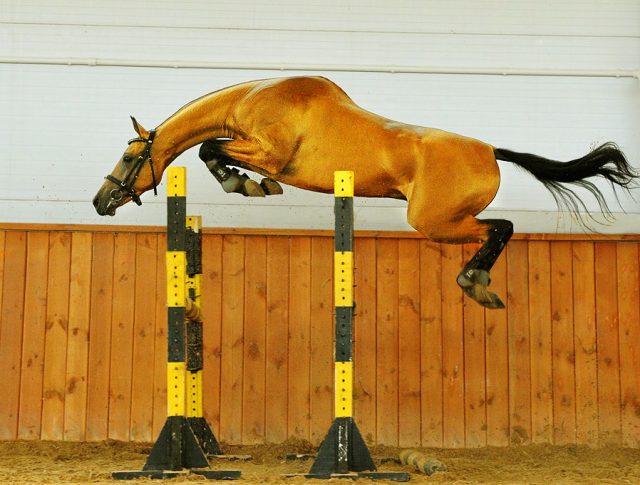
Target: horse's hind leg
(494, 234)
(474, 278)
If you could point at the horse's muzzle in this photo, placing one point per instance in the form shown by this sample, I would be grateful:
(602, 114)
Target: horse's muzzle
(108, 209)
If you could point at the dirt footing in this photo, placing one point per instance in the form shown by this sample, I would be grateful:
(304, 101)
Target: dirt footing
(66, 462)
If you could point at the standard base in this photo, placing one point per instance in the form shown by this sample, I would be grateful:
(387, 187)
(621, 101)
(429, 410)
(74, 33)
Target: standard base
(181, 449)
(392, 476)
(155, 474)
(169, 474)
(342, 451)
(344, 454)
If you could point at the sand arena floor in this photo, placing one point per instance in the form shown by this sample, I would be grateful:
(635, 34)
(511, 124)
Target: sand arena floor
(64, 462)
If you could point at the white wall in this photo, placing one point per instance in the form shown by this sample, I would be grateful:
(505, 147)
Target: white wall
(552, 78)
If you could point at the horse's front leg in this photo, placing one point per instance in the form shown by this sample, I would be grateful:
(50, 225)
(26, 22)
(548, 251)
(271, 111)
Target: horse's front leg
(231, 179)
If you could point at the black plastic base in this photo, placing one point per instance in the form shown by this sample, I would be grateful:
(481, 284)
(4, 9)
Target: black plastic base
(154, 474)
(391, 476)
(342, 451)
(168, 474)
(205, 437)
(344, 454)
(181, 448)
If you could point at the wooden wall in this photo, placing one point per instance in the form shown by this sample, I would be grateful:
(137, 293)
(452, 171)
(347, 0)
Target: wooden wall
(83, 344)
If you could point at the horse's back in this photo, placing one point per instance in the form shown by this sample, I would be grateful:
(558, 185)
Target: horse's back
(297, 87)
(308, 127)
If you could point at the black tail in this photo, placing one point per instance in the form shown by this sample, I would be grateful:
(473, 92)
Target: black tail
(606, 161)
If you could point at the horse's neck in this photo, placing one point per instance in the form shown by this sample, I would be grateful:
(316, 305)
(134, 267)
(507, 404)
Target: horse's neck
(196, 122)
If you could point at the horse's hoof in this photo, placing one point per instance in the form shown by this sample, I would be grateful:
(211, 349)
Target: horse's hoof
(271, 187)
(251, 188)
(495, 302)
(468, 278)
(482, 295)
(233, 184)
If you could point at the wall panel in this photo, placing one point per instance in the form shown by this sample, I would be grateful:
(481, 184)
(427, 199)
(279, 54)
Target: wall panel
(34, 324)
(553, 78)
(83, 339)
(11, 328)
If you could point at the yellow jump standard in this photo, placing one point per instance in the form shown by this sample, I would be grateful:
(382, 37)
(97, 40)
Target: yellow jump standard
(186, 438)
(343, 453)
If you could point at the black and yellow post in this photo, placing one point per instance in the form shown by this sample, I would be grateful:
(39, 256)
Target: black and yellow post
(186, 438)
(343, 453)
(194, 362)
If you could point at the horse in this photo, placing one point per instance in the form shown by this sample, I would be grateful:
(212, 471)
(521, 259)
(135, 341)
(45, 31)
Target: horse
(300, 130)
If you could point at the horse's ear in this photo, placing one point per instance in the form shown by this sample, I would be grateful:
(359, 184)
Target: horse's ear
(142, 133)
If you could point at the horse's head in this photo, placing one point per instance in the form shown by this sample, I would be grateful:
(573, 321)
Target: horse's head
(135, 173)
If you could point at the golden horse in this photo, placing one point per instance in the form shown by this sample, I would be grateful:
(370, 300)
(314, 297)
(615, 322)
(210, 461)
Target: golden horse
(300, 130)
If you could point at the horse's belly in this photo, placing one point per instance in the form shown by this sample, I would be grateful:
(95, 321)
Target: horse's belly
(317, 174)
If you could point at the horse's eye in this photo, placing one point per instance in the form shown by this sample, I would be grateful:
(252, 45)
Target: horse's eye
(127, 158)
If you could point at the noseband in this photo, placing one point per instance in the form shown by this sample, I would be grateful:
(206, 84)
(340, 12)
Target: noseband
(126, 184)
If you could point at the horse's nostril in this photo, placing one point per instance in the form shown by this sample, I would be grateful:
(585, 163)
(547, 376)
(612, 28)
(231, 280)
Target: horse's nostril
(96, 202)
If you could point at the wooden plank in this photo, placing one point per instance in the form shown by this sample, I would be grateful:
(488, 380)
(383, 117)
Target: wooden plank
(629, 313)
(35, 315)
(143, 337)
(474, 367)
(364, 337)
(13, 291)
(519, 343)
(431, 344)
(212, 326)
(564, 388)
(497, 361)
(75, 404)
(160, 338)
(255, 297)
(277, 321)
(607, 344)
(299, 328)
(244, 231)
(100, 337)
(55, 355)
(584, 312)
(321, 337)
(3, 235)
(452, 348)
(387, 342)
(124, 259)
(540, 334)
(92, 228)
(233, 274)
(409, 432)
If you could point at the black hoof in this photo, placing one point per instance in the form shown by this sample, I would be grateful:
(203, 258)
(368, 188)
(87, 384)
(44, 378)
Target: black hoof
(486, 298)
(474, 283)
(271, 187)
(251, 188)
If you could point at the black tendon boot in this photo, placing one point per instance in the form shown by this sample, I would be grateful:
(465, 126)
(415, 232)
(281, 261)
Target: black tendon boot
(475, 277)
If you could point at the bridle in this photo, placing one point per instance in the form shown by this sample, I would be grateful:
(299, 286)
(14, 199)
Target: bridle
(125, 186)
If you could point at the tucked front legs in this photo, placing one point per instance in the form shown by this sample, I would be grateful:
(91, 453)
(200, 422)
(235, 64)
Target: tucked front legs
(231, 179)
(474, 278)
